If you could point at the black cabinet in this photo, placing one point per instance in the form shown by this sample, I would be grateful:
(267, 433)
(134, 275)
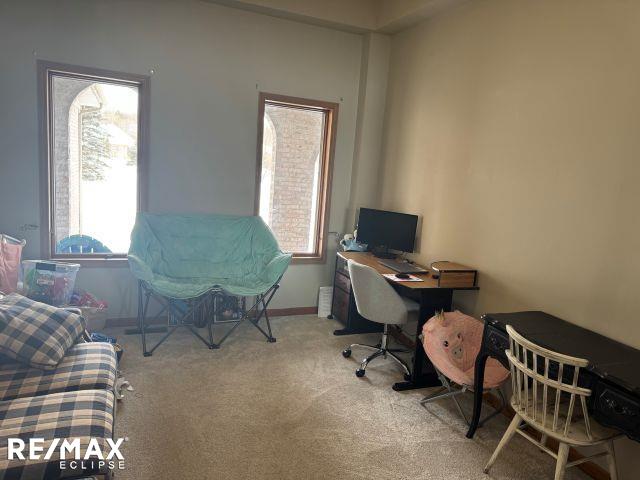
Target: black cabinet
(616, 408)
(612, 374)
(343, 305)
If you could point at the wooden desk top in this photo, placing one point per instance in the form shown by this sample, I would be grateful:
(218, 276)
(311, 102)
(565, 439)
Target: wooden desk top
(367, 258)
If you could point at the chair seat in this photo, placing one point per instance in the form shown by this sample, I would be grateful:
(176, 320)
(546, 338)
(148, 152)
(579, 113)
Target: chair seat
(494, 375)
(577, 429)
(85, 366)
(84, 415)
(452, 342)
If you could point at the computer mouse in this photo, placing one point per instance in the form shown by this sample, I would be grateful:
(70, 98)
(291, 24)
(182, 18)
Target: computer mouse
(402, 275)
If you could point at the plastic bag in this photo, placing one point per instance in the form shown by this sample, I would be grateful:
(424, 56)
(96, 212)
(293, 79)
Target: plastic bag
(10, 254)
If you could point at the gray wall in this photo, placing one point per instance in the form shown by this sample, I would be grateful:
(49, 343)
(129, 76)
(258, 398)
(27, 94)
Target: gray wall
(204, 105)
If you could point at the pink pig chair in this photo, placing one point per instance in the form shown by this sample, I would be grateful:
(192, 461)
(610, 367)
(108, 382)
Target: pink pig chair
(452, 341)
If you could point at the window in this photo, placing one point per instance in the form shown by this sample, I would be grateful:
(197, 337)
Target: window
(94, 144)
(295, 148)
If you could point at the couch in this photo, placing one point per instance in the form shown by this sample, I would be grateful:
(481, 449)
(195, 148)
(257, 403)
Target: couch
(192, 258)
(75, 399)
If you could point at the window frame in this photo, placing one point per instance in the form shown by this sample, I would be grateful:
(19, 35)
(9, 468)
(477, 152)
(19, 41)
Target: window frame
(326, 167)
(46, 72)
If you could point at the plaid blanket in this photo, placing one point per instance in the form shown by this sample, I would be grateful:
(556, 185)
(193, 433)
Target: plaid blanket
(86, 366)
(35, 333)
(84, 415)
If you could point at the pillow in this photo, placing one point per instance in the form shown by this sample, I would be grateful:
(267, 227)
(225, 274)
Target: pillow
(36, 333)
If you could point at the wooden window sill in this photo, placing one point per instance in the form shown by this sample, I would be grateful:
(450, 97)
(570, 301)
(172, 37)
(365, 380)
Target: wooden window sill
(100, 262)
(307, 260)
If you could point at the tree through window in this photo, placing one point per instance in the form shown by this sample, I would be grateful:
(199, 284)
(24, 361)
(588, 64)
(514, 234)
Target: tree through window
(93, 138)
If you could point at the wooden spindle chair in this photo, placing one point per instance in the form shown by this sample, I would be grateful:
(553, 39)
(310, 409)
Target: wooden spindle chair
(547, 396)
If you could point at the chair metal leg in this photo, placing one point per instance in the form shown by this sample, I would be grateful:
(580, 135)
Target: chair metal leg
(141, 319)
(143, 327)
(385, 338)
(195, 306)
(259, 308)
(379, 350)
(368, 359)
(448, 390)
(440, 393)
(362, 345)
(503, 403)
(398, 361)
(561, 463)
(508, 435)
(270, 338)
(212, 302)
(455, 400)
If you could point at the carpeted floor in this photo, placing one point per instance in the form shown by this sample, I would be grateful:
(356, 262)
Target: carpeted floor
(295, 410)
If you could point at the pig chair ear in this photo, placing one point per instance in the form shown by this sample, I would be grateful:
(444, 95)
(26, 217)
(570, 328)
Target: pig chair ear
(444, 319)
(433, 323)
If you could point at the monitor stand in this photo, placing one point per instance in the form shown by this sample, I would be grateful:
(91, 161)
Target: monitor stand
(383, 252)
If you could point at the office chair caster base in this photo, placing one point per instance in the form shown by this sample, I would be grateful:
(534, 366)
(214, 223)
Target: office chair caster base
(330, 317)
(271, 340)
(407, 377)
(147, 354)
(360, 372)
(346, 353)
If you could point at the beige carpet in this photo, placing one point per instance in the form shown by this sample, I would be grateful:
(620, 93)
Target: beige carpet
(295, 410)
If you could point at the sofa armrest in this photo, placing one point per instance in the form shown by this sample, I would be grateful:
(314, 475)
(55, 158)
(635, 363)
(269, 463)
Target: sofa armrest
(276, 267)
(139, 269)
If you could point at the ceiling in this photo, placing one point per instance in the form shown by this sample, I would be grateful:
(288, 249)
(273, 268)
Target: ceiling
(386, 16)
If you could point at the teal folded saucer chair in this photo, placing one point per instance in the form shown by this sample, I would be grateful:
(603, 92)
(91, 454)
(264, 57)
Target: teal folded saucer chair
(193, 259)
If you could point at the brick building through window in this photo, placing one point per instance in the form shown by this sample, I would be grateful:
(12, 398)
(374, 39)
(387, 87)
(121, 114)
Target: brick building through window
(296, 138)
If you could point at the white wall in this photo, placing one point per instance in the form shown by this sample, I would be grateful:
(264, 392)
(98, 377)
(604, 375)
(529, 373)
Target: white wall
(210, 62)
(365, 182)
(352, 15)
(512, 128)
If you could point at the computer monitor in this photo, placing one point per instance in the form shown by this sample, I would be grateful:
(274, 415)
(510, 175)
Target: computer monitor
(382, 230)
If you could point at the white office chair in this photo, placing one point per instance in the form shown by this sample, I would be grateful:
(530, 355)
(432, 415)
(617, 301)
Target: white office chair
(378, 302)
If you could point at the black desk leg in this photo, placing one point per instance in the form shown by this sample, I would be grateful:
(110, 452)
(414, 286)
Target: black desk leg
(423, 374)
(478, 391)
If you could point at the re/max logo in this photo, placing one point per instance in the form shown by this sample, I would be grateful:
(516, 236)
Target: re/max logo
(63, 448)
